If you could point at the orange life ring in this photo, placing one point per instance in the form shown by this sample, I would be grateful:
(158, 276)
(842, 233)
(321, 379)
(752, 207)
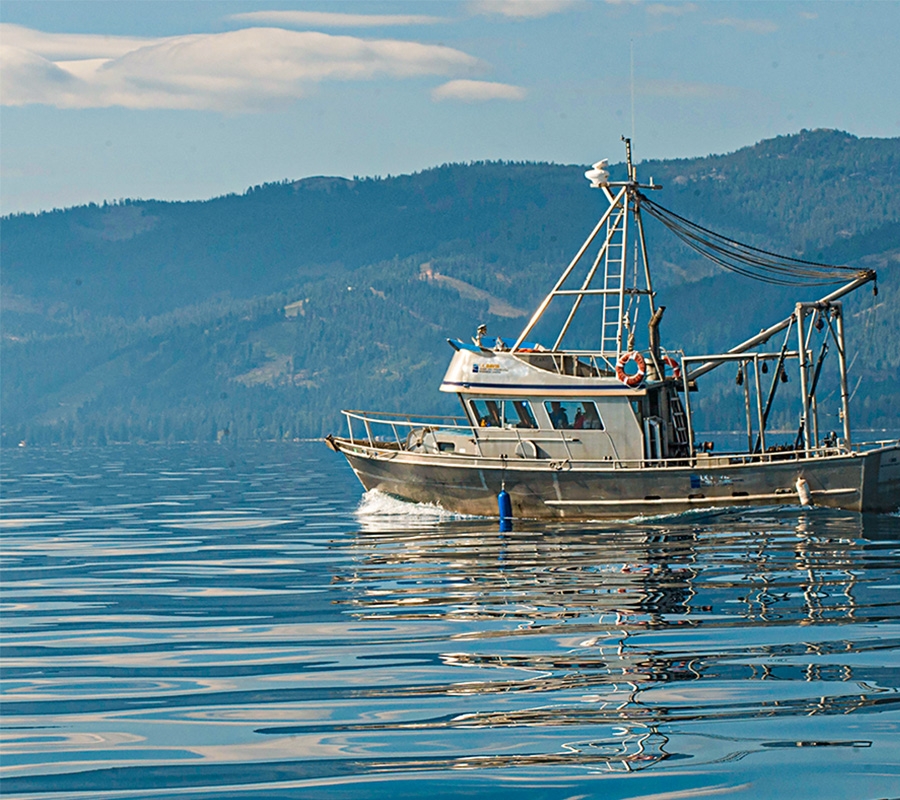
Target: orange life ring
(676, 369)
(631, 380)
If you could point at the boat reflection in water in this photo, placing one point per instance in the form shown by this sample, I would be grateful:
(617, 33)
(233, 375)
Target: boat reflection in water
(624, 645)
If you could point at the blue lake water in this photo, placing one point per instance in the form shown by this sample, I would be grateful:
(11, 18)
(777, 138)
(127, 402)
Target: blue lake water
(235, 622)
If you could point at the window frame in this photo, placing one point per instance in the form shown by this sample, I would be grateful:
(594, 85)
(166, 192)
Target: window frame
(507, 411)
(588, 409)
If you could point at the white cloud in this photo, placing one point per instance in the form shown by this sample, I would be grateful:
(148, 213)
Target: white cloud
(520, 9)
(747, 25)
(69, 45)
(330, 19)
(477, 91)
(670, 9)
(232, 71)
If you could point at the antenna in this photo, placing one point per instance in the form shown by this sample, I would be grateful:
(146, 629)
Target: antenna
(632, 89)
(632, 174)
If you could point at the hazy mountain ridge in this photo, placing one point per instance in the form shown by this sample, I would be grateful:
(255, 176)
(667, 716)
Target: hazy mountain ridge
(158, 321)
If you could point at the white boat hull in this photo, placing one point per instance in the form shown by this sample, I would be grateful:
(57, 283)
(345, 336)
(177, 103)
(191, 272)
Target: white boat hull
(867, 481)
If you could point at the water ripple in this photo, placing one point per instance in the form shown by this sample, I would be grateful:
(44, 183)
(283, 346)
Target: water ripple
(224, 622)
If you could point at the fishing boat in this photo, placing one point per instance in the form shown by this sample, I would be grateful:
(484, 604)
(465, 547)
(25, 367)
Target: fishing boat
(558, 430)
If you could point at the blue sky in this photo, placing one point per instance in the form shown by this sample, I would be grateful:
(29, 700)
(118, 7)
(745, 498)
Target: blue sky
(187, 100)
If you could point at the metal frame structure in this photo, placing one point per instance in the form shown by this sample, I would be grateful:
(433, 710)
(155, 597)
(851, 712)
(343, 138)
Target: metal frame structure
(826, 314)
(617, 323)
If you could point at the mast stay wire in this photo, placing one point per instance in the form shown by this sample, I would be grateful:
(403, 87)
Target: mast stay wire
(744, 259)
(867, 334)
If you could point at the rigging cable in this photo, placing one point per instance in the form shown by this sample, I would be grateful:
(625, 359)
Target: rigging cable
(752, 262)
(867, 336)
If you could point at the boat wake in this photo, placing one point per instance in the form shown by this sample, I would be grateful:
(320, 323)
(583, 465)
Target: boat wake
(378, 511)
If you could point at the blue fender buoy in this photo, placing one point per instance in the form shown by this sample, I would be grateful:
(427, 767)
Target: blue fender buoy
(504, 504)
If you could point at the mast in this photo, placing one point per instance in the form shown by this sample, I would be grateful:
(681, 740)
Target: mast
(606, 272)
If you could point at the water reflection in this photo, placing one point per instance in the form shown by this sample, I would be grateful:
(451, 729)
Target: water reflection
(635, 627)
(207, 623)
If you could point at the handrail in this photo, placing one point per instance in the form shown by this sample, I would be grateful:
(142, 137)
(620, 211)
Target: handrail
(858, 446)
(720, 461)
(408, 423)
(374, 415)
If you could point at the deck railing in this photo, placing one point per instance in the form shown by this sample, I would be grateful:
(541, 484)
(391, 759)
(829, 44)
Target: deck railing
(392, 431)
(874, 444)
(397, 423)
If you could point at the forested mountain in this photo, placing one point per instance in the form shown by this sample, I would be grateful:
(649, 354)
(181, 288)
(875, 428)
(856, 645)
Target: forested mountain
(261, 315)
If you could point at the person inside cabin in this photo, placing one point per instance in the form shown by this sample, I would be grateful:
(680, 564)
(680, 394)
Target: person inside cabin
(558, 417)
(591, 417)
(579, 420)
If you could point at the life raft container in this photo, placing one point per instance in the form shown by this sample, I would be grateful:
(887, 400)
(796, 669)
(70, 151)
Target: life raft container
(637, 377)
(671, 362)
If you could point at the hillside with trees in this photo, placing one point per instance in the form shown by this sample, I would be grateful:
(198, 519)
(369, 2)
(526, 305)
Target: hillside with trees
(261, 315)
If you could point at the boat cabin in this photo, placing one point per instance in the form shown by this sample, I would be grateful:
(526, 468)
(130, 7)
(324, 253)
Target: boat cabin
(531, 403)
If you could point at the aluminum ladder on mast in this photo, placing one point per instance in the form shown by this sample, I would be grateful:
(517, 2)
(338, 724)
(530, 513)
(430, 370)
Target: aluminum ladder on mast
(614, 285)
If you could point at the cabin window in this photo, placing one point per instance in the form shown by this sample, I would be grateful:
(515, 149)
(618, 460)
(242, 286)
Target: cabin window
(503, 413)
(520, 413)
(488, 413)
(566, 415)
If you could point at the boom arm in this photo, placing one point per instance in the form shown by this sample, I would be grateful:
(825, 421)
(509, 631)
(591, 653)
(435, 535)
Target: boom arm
(864, 277)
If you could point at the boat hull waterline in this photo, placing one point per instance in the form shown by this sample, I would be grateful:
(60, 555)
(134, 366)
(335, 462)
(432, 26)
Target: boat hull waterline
(867, 481)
